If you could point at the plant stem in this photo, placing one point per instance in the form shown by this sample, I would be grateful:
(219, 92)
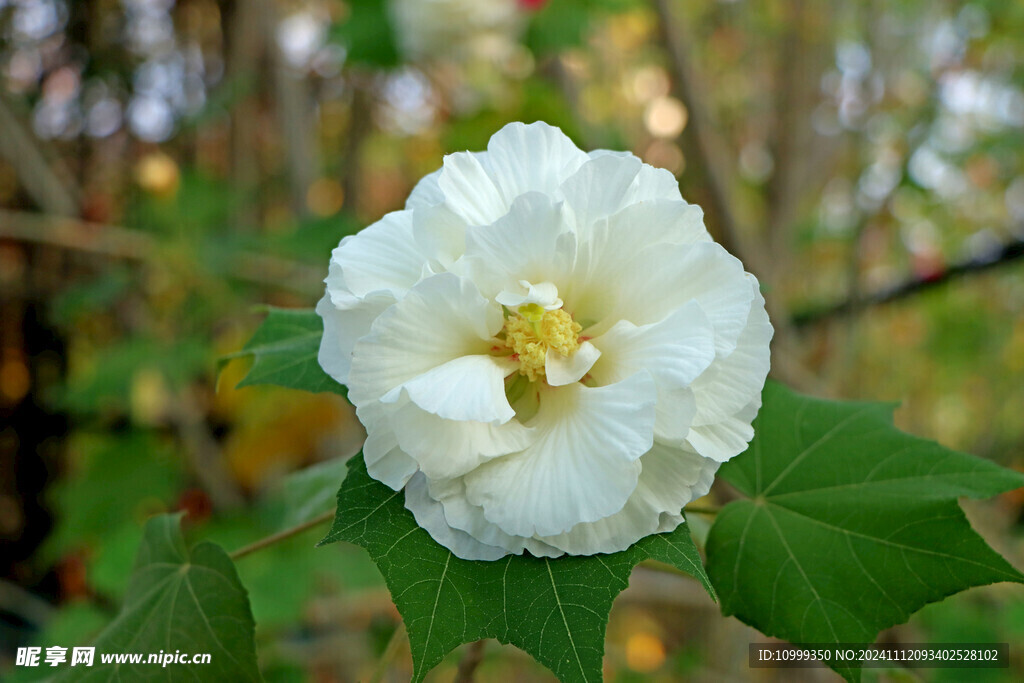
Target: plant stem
(697, 509)
(389, 654)
(470, 661)
(282, 535)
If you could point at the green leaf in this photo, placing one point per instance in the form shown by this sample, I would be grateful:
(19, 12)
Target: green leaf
(178, 599)
(850, 525)
(310, 492)
(367, 34)
(142, 469)
(284, 352)
(556, 610)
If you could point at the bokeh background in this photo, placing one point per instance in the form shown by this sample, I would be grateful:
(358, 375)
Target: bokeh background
(167, 166)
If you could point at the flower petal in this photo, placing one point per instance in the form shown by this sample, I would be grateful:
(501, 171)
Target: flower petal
(426, 193)
(531, 243)
(725, 438)
(597, 190)
(342, 329)
(385, 460)
(661, 279)
(429, 514)
(445, 449)
(536, 157)
(675, 350)
(469, 190)
(440, 319)
(670, 479)
(651, 184)
(382, 257)
(461, 514)
(653, 222)
(561, 370)
(733, 381)
(674, 414)
(440, 234)
(467, 388)
(544, 294)
(583, 465)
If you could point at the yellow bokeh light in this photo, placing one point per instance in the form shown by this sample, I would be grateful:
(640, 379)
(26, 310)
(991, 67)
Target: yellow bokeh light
(158, 174)
(665, 117)
(325, 197)
(644, 652)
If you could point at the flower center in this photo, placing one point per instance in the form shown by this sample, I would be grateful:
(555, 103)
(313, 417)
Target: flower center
(532, 331)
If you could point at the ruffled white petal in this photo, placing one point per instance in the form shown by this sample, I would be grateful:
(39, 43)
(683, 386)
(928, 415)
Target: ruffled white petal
(467, 388)
(652, 184)
(597, 190)
(654, 222)
(670, 479)
(445, 449)
(662, 278)
(531, 158)
(675, 350)
(469, 190)
(462, 515)
(725, 438)
(440, 234)
(426, 193)
(429, 514)
(733, 381)
(385, 460)
(532, 242)
(583, 465)
(674, 415)
(441, 319)
(544, 294)
(343, 328)
(562, 370)
(381, 258)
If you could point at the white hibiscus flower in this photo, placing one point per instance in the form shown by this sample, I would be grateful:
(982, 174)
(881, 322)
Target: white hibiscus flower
(548, 351)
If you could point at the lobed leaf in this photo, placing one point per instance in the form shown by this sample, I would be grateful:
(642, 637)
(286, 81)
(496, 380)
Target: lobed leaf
(556, 610)
(849, 526)
(284, 351)
(178, 599)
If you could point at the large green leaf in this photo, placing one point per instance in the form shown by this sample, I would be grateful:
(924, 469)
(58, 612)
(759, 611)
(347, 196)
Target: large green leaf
(178, 599)
(284, 352)
(850, 525)
(556, 610)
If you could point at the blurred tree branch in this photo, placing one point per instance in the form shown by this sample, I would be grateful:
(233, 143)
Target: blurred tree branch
(1008, 253)
(245, 27)
(124, 243)
(705, 149)
(470, 661)
(48, 188)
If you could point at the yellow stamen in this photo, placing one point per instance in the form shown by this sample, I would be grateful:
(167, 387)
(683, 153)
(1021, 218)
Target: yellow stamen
(532, 331)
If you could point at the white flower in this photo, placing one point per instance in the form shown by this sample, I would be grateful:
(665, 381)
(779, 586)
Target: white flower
(547, 349)
(456, 29)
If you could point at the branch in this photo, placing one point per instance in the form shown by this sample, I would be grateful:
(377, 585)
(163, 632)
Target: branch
(390, 653)
(470, 661)
(1009, 252)
(22, 150)
(124, 243)
(204, 456)
(699, 137)
(282, 535)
